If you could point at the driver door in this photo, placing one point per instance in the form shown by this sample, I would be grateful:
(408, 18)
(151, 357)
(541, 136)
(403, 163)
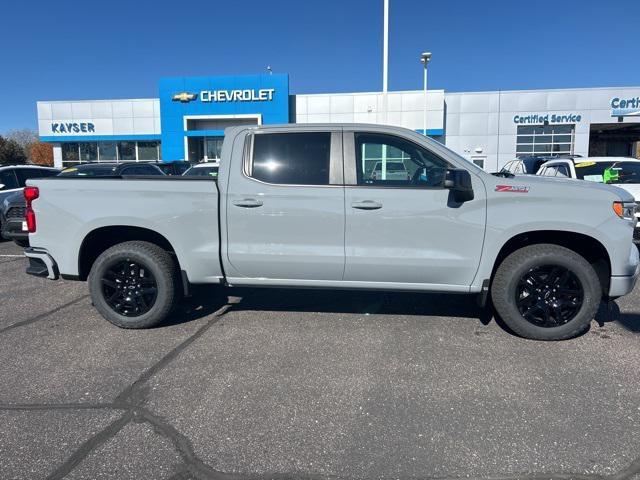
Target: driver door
(407, 231)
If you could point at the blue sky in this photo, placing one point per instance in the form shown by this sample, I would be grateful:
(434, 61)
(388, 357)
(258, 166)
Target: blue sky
(66, 50)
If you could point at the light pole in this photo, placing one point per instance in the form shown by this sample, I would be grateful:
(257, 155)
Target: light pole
(385, 58)
(424, 59)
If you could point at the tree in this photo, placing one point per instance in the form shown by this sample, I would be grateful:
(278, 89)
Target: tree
(24, 138)
(41, 153)
(11, 153)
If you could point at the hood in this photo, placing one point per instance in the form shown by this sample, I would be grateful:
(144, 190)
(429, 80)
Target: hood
(632, 188)
(582, 186)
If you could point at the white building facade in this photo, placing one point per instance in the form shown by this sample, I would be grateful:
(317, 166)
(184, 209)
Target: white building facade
(187, 121)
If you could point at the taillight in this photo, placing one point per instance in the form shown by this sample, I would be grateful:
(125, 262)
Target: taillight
(30, 194)
(30, 217)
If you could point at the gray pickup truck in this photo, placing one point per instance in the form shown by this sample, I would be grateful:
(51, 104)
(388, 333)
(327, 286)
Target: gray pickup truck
(298, 206)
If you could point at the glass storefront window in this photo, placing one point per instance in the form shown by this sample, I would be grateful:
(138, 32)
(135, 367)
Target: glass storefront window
(544, 139)
(88, 151)
(126, 151)
(70, 152)
(107, 151)
(213, 147)
(147, 150)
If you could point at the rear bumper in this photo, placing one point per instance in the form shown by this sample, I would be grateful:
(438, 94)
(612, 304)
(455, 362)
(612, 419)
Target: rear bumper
(41, 264)
(12, 230)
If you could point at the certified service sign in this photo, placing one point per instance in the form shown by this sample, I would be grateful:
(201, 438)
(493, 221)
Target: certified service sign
(625, 107)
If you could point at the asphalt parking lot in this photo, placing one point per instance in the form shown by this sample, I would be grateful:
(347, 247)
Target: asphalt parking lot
(308, 384)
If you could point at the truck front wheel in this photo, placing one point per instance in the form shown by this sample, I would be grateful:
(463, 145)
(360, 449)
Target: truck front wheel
(546, 292)
(133, 284)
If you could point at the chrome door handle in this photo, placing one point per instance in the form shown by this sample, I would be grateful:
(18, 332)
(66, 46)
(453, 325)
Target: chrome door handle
(367, 205)
(248, 203)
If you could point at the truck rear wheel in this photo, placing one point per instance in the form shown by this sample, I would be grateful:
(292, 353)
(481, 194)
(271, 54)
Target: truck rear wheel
(546, 292)
(133, 284)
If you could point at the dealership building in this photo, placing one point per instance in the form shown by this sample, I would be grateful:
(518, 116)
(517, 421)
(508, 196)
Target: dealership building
(187, 120)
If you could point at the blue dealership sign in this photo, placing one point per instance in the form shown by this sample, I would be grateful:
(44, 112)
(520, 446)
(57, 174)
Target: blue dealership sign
(218, 98)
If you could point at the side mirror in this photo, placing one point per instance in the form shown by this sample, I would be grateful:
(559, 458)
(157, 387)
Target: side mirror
(458, 180)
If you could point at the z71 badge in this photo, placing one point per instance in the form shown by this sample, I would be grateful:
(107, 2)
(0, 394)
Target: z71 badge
(512, 188)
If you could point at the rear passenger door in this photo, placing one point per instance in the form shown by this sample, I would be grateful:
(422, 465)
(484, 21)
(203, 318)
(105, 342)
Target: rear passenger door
(285, 208)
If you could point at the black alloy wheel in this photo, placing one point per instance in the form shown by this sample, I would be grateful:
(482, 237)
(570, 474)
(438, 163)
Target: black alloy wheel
(549, 295)
(129, 288)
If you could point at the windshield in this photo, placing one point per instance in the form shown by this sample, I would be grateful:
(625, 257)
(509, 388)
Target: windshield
(609, 172)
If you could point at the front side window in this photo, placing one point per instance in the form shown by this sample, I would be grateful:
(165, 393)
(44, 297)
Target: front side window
(291, 158)
(563, 171)
(387, 160)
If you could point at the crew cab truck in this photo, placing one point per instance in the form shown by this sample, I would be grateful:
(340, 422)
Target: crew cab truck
(293, 207)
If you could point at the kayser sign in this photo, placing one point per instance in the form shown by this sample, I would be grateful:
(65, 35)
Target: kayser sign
(73, 127)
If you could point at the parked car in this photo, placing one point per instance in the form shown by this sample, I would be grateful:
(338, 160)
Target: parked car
(111, 169)
(620, 171)
(173, 168)
(291, 209)
(204, 169)
(12, 209)
(524, 165)
(14, 177)
(12, 219)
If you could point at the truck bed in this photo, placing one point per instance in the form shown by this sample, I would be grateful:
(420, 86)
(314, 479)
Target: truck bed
(182, 210)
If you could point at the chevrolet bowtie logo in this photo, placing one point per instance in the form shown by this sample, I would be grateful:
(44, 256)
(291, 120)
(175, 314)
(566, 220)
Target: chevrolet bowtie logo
(184, 97)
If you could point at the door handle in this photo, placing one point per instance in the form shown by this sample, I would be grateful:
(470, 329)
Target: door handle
(248, 203)
(367, 205)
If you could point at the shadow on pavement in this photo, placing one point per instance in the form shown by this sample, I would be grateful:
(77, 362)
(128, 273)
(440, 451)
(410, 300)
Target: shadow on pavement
(203, 302)
(208, 299)
(343, 301)
(610, 312)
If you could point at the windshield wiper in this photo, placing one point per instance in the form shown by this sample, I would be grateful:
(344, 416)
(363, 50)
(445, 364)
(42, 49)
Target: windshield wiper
(504, 174)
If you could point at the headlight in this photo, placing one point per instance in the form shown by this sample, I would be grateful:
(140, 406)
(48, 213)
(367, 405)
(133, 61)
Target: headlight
(626, 211)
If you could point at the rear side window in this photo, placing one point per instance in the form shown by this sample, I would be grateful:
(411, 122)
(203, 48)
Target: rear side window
(8, 180)
(25, 174)
(291, 158)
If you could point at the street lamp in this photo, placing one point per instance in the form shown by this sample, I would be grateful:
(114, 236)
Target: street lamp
(424, 59)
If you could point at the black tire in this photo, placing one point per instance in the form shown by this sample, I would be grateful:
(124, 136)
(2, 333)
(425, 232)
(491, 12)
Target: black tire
(22, 243)
(150, 261)
(534, 312)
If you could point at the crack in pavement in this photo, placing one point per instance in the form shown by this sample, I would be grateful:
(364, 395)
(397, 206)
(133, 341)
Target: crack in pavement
(132, 401)
(41, 316)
